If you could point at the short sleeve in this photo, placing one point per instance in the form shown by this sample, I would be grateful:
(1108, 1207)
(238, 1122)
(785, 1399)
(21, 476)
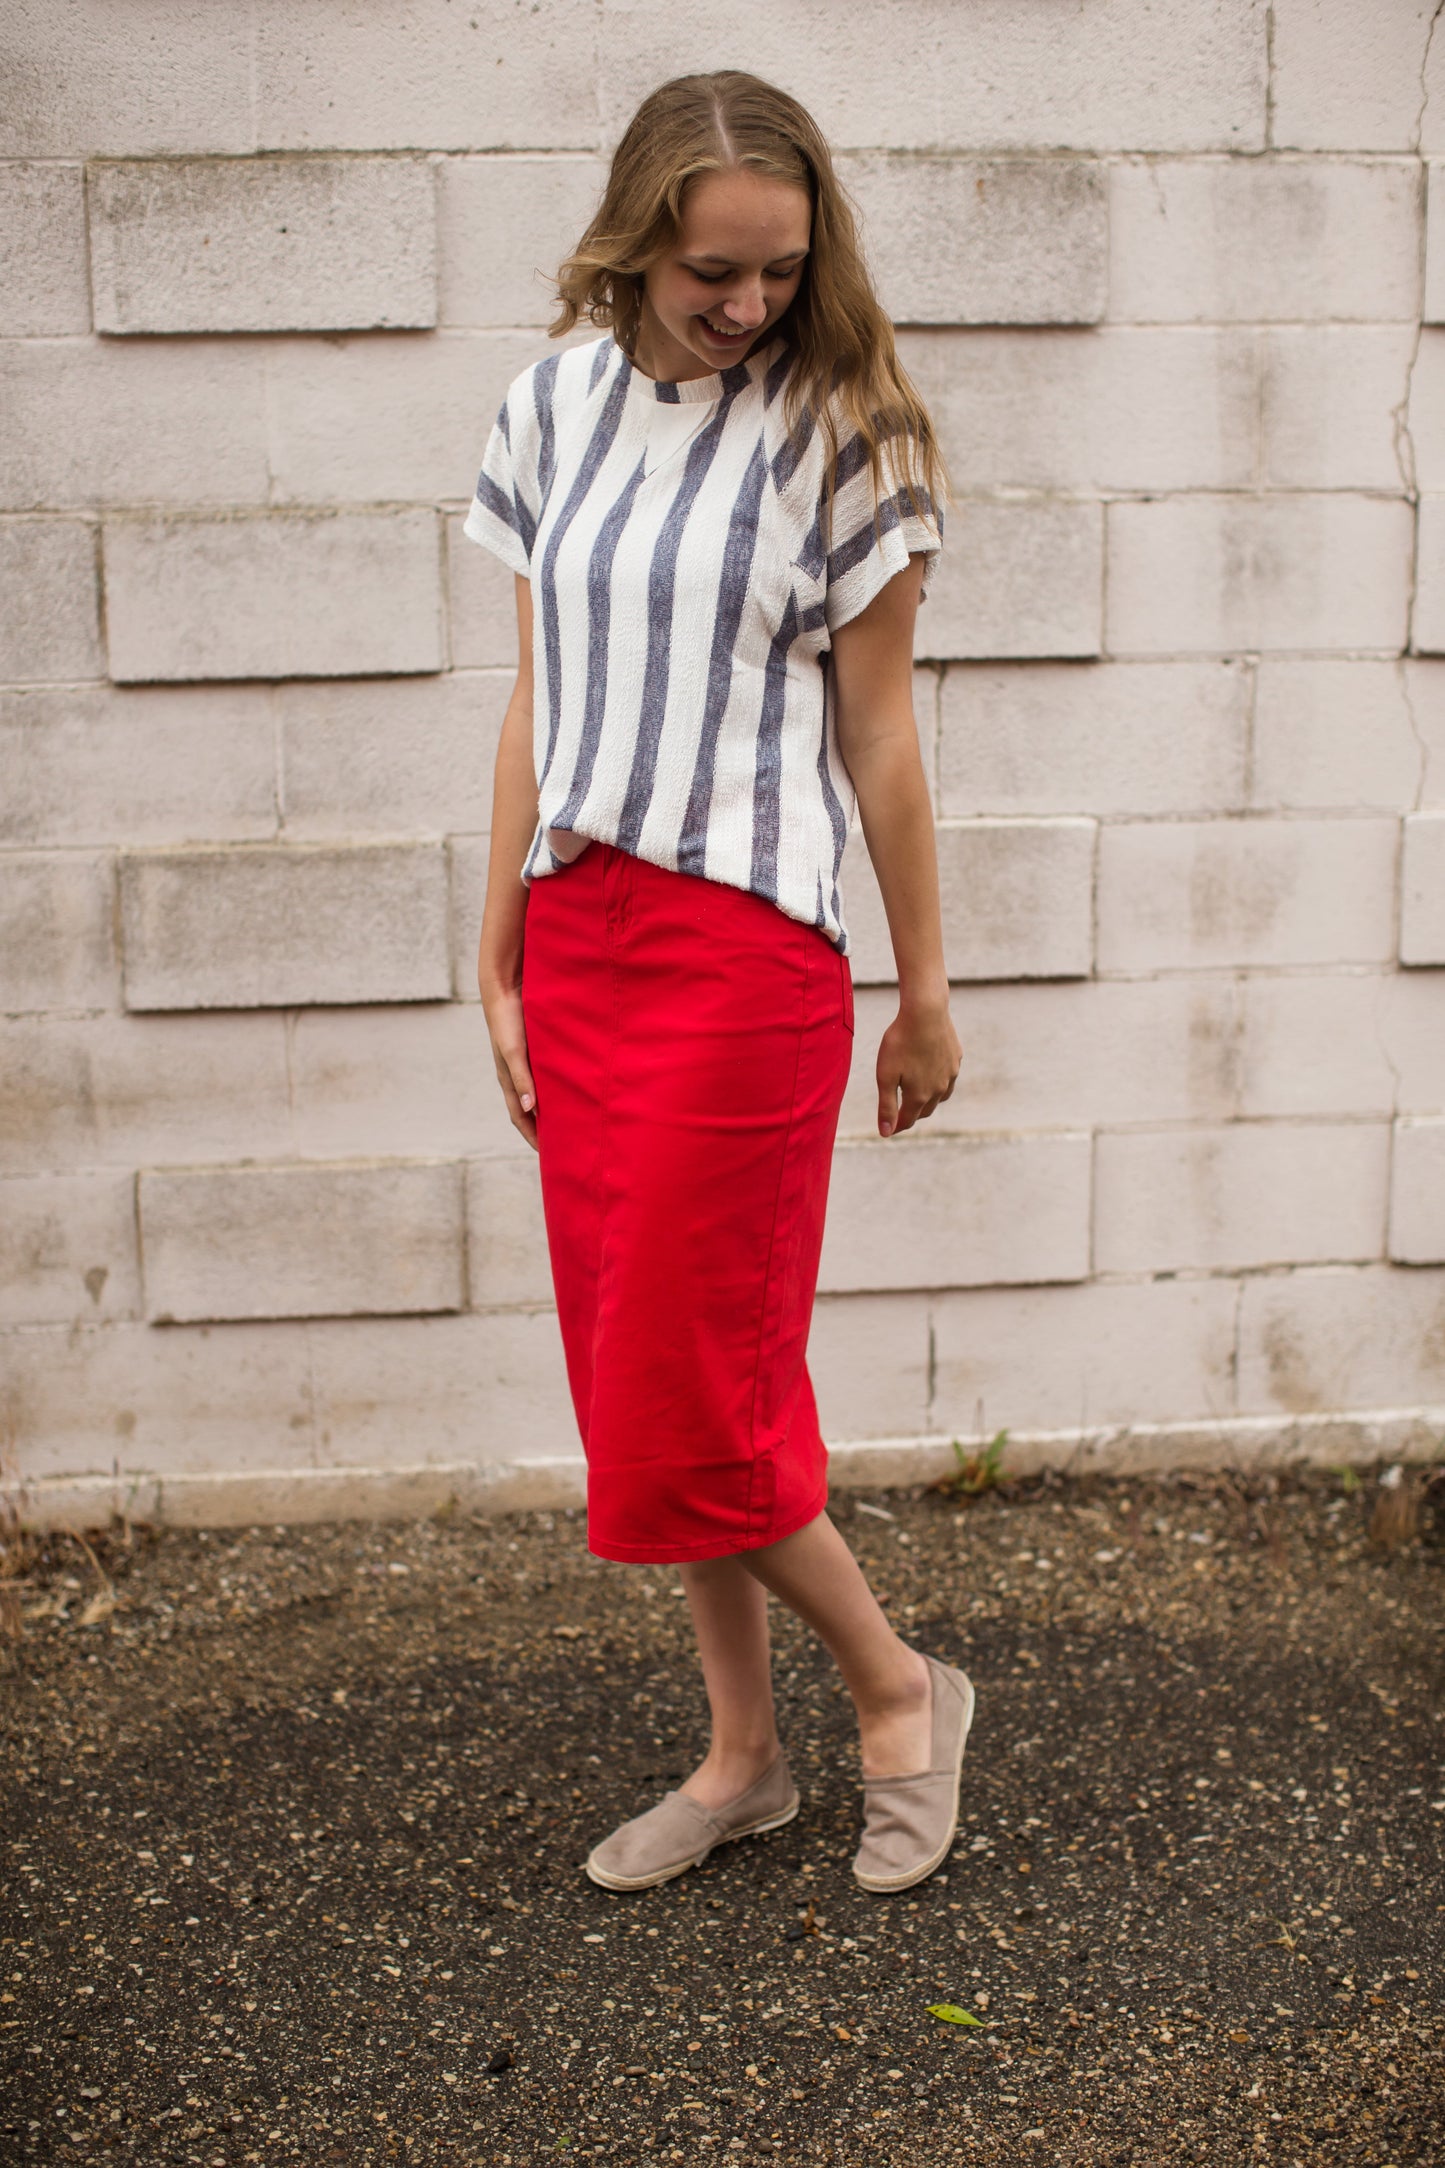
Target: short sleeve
(505, 509)
(865, 555)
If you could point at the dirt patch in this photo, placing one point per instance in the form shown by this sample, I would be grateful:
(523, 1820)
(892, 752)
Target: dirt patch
(294, 1824)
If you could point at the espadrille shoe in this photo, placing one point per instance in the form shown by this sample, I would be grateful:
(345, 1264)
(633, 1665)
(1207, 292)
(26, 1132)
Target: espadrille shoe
(910, 1822)
(678, 1833)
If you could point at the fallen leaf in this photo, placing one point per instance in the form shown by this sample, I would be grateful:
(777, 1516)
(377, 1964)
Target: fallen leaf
(100, 1606)
(952, 2015)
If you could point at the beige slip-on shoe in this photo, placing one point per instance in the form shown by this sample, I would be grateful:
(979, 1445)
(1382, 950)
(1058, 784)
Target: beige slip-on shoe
(678, 1833)
(910, 1822)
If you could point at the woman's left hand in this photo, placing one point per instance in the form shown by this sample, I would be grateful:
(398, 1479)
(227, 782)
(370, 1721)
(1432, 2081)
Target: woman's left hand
(918, 1065)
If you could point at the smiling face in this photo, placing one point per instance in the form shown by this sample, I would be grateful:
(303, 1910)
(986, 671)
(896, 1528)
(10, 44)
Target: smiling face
(728, 277)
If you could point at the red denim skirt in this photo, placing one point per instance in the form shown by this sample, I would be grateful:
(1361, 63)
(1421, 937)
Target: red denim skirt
(690, 1045)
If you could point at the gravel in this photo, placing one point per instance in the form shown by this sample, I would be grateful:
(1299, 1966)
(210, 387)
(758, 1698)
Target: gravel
(293, 1822)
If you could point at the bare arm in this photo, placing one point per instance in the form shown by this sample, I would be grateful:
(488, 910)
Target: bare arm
(514, 820)
(918, 1060)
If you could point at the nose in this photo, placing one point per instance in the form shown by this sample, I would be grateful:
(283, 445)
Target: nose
(746, 307)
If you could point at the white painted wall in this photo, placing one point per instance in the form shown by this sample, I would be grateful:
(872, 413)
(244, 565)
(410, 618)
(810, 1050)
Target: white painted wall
(1171, 278)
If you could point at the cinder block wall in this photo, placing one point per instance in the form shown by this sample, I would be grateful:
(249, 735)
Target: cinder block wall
(1171, 279)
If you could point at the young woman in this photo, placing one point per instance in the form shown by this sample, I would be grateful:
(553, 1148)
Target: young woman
(722, 514)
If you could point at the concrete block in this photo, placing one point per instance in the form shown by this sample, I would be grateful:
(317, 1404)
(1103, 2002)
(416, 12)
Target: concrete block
(278, 927)
(1330, 401)
(1311, 1044)
(43, 291)
(1347, 78)
(507, 1259)
(481, 604)
(379, 420)
(1238, 1197)
(1096, 738)
(49, 600)
(133, 1403)
(114, 1091)
(1434, 307)
(1017, 901)
(262, 244)
(469, 856)
(391, 1082)
(80, 75)
(1192, 894)
(1422, 384)
(1341, 735)
(1417, 1192)
(95, 764)
(1022, 578)
(1368, 1336)
(505, 225)
(57, 933)
(1422, 890)
(486, 1389)
(1051, 1358)
(125, 1401)
(1427, 628)
(1410, 1020)
(1424, 684)
(904, 75)
(408, 755)
(1069, 1054)
(927, 678)
(983, 241)
(1122, 407)
(89, 423)
(472, 79)
(868, 1357)
(1187, 574)
(957, 1212)
(273, 595)
(306, 1240)
(68, 1249)
(1263, 240)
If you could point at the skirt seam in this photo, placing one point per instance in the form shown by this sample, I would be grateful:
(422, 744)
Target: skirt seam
(771, 1295)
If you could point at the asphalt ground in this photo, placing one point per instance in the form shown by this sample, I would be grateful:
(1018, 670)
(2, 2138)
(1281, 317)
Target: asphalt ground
(293, 1823)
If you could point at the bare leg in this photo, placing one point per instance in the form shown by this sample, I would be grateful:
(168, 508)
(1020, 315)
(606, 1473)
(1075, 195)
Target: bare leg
(730, 1618)
(816, 1575)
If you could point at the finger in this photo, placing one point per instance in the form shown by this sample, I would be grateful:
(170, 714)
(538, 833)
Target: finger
(518, 1090)
(909, 1112)
(887, 1109)
(524, 1122)
(513, 1067)
(521, 1073)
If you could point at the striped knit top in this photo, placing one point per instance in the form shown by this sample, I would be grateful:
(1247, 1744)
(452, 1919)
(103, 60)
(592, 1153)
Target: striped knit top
(683, 604)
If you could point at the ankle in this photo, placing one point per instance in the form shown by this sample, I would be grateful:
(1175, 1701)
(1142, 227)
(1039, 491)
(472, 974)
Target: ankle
(726, 1771)
(906, 1686)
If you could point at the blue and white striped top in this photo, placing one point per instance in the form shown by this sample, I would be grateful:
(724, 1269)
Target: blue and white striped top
(683, 603)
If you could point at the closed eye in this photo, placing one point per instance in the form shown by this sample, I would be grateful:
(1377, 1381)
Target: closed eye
(715, 278)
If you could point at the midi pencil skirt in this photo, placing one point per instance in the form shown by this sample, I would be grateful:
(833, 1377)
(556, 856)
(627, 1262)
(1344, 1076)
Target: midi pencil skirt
(690, 1045)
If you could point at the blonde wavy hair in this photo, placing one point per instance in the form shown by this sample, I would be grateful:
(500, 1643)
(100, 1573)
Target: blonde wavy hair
(843, 354)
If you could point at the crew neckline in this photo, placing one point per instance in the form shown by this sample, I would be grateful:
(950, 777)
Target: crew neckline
(687, 391)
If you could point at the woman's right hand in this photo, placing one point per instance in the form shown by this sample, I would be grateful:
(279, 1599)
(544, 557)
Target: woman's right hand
(503, 1009)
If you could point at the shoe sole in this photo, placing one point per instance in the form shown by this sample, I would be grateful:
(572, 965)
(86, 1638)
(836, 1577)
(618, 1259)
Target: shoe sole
(885, 1885)
(605, 1880)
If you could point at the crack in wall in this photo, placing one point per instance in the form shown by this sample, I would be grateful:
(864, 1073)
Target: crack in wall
(1404, 441)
